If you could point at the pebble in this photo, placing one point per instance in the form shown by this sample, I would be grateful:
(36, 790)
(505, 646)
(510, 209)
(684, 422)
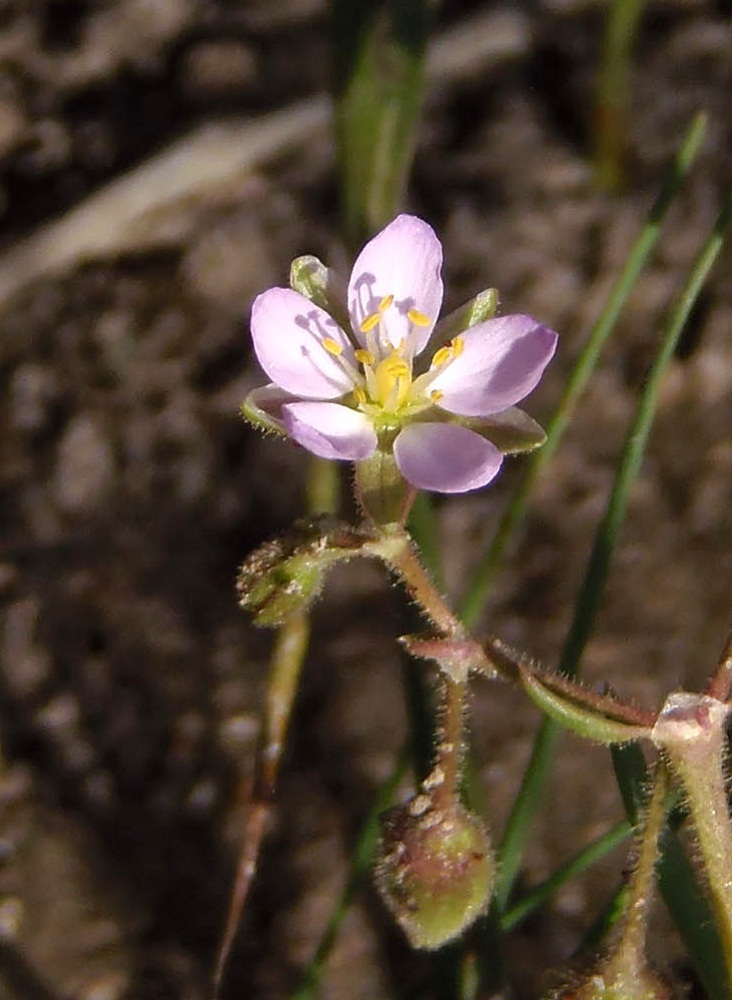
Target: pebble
(85, 467)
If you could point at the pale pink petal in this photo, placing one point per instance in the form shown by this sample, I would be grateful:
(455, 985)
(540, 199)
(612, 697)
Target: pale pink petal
(330, 430)
(502, 361)
(403, 260)
(288, 332)
(445, 458)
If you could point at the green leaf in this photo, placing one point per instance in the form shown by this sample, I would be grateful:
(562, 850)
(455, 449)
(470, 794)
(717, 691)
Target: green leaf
(379, 74)
(580, 863)
(588, 600)
(582, 719)
(613, 91)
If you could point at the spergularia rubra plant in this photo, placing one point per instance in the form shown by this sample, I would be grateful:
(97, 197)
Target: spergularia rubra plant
(365, 371)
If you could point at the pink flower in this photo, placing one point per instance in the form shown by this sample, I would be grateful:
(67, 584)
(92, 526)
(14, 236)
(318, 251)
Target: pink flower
(343, 394)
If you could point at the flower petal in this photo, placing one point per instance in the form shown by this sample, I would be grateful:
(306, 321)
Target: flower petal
(501, 362)
(403, 260)
(445, 458)
(330, 430)
(288, 332)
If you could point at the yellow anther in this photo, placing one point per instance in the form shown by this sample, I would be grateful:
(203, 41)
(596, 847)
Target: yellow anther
(364, 357)
(441, 357)
(359, 395)
(458, 346)
(436, 395)
(418, 318)
(370, 322)
(332, 346)
(385, 303)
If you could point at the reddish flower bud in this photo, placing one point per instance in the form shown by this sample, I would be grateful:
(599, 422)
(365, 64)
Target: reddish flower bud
(435, 870)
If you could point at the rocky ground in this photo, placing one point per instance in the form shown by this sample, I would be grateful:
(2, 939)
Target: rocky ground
(136, 229)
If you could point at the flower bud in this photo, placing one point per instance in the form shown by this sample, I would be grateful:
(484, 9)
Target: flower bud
(288, 586)
(322, 285)
(285, 575)
(435, 870)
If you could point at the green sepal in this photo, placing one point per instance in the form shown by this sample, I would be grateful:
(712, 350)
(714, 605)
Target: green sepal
(481, 307)
(595, 717)
(254, 411)
(321, 285)
(383, 493)
(511, 431)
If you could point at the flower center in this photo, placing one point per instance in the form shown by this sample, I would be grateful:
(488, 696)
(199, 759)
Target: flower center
(385, 383)
(393, 380)
(387, 368)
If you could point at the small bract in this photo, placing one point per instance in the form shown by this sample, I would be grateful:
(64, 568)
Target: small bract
(349, 393)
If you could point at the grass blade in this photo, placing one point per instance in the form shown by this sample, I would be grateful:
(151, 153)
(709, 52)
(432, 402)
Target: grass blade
(379, 74)
(360, 867)
(588, 601)
(577, 865)
(478, 588)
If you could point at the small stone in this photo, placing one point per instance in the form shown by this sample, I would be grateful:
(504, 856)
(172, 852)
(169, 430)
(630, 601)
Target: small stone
(26, 664)
(11, 918)
(33, 388)
(85, 467)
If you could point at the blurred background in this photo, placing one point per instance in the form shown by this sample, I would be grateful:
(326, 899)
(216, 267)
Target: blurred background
(160, 164)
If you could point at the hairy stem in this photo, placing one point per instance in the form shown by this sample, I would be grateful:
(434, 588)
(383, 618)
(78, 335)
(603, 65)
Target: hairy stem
(443, 782)
(691, 732)
(404, 560)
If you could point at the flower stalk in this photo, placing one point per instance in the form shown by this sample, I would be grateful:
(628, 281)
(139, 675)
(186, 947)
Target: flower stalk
(443, 782)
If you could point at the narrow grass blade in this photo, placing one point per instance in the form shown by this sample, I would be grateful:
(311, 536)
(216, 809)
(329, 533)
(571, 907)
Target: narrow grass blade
(613, 91)
(379, 74)
(580, 863)
(588, 601)
(477, 591)
(360, 867)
